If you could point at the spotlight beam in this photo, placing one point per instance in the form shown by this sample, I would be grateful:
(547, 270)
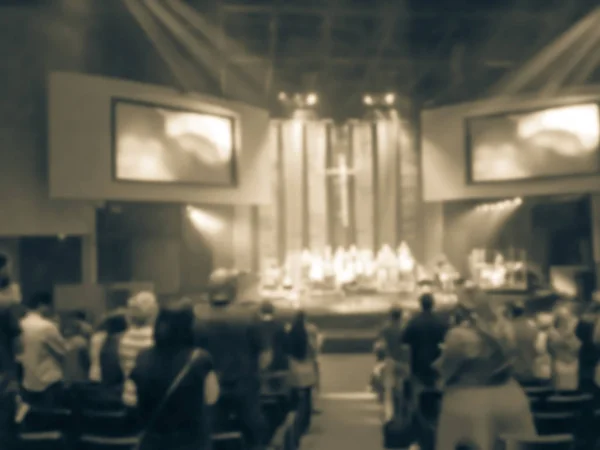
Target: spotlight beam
(273, 33)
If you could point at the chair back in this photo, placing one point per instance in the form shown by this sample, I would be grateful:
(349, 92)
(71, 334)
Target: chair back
(50, 440)
(538, 392)
(116, 423)
(555, 423)
(568, 403)
(90, 442)
(46, 419)
(555, 442)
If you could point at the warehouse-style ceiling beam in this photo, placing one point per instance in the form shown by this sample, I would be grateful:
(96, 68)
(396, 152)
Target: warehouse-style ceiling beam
(323, 11)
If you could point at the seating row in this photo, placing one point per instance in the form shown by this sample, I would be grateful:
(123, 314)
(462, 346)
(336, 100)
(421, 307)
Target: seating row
(117, 430)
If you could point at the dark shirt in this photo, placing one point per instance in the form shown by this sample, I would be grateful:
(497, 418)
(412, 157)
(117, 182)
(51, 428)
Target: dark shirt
(185, 410)
(424, 334)
(588, 352)
(273, 336)
(110, 364)
(10, 330)
(231, 335)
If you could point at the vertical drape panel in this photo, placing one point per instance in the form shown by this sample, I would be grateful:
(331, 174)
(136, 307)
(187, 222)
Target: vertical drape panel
(292, 179)
(387, 196)
(363, 197)
(268, 216)
(409, 189)
(242, 235)
(316, 146)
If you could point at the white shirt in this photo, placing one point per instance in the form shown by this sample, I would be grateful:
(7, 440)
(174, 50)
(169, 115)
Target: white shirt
(43, 352)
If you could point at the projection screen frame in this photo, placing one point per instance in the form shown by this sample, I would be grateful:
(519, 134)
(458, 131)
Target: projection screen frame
(233, 165)
(469, 147)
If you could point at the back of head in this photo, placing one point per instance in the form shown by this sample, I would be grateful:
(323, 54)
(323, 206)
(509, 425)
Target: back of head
(115, 322)
(174, 327)
(266, 310)
(142, 309)
(396, 313)
(427, 302)
(516, 309)
(222, 287)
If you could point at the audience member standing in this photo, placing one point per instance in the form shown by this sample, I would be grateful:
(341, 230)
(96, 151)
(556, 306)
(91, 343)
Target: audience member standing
(141, 311)
(9, 334)
(231, 335)
(563, 346)
(543, 362)
(43, 354)
(589, 352)
(392, 333)
(526, 334)
(77, 356)
(302, 352)
(178, 419)
(272, 332)
(481, 400)
(105, 365)
(424, 333)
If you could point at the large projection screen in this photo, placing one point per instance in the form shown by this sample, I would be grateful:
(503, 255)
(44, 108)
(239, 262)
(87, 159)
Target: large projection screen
(161, 144)
(560, 141)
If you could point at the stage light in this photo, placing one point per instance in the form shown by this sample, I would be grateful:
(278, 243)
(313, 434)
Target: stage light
(518, 201)
(282, 96)
(312, 99)
(368, 100)
(390, 99)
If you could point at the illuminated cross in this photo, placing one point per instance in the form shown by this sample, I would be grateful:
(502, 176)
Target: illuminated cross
(343, 174)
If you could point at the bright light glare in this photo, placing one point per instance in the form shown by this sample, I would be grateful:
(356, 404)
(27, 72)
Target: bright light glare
(212, 128)
(390, 99)
(312, 99)
(368, 100)
(204, 222)
(143, 160)
(500, 205)
(581, 121)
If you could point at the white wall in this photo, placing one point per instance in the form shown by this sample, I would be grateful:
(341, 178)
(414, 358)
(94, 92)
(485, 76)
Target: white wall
(444, 159)
(80, 143)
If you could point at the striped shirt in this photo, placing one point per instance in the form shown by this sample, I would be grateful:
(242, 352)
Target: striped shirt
(133, 342)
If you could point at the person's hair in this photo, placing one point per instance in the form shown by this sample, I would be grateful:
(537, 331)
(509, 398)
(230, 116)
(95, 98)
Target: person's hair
(41, 299)
(114, 322)
(174, 327)
(298, 337)
(267, 308)
(222, 286)
(396, 313)
(517, 309)
(427, 302)
(142, 309)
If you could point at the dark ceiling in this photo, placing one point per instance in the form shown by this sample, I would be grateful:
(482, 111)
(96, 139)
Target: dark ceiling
(437, 51)
(433, 52)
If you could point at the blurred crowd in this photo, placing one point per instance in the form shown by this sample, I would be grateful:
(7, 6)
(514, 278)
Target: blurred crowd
(478, 360)
(174, 368)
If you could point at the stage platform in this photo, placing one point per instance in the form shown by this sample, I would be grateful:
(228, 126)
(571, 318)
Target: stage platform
(350, 323)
